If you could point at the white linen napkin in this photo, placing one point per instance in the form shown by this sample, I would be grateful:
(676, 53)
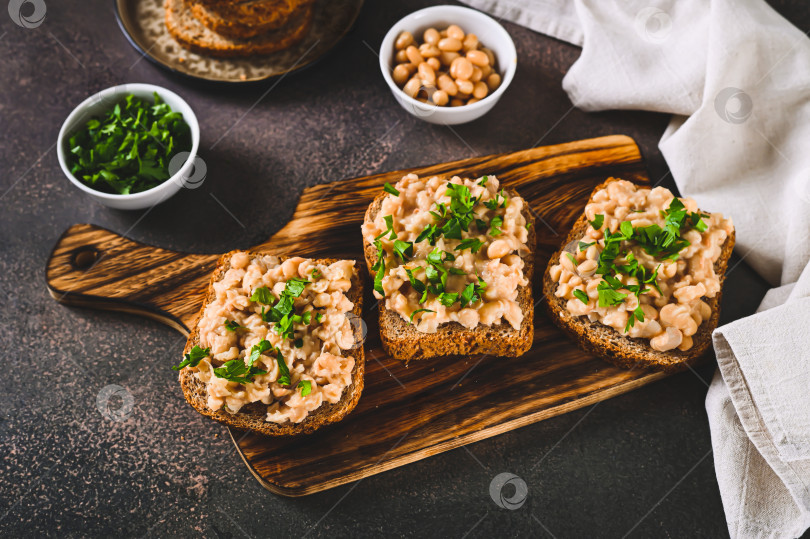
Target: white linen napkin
(736, 77)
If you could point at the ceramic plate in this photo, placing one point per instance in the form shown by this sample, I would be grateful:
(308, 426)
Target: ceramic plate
(142, 21)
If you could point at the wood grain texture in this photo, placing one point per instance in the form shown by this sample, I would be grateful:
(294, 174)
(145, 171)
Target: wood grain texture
(407, 412)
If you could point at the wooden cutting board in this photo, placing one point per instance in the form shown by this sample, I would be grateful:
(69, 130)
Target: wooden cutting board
(408, 412)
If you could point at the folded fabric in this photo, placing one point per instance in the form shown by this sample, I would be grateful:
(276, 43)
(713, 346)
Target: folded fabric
(736, 77)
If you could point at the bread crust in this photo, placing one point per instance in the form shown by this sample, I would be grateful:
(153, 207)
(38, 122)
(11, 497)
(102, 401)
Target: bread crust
(244, 20)
(193, 35)
(607, 343)
(403, 341)
(252, 416)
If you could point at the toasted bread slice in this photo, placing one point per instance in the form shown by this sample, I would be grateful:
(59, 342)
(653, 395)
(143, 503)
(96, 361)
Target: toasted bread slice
(252, 416)
(607, 343)
(403, 341)
(189, 32)
(244, 20)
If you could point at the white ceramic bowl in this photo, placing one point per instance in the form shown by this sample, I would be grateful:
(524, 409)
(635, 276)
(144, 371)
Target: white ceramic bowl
(489, 32)
(103, 101)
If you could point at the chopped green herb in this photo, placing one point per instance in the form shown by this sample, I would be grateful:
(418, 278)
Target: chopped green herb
(389, 227)
(627, 229)
(263, 295)
(499, 201)
(284, 372)
(258, 349)
(447, 299)
(583, 245)
(637, 314)
(417, 285)
(581, 296)
(494, 224)
(608, 297)
(473, 244)
(597, 222)
(420, 311)
(430, 233)
(235, 370)
(193, 358)
(403, 249)
(306, 387)
(388, 188)
(231, 325)
(319, 317)
(572, 258)
(128, 149)
(315, 273)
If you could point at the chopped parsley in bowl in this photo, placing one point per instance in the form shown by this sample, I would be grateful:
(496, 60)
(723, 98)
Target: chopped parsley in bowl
(131, 146)
(128, 149)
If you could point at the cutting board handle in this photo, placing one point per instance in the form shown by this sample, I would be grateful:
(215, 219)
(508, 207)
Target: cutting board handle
(94, 267)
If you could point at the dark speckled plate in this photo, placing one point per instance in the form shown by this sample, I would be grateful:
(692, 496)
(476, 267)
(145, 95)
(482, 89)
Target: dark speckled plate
(142, 21)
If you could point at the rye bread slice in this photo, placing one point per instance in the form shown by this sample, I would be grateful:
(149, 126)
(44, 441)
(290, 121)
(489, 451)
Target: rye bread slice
(252, 416)
(607, 343)
(242, 20)
(190, 33)
(403, 341)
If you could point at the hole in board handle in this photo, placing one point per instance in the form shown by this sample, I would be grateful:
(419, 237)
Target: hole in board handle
(83, 258)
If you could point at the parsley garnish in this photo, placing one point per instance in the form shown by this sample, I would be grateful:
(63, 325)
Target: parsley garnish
(597, 222)
(284, 376)
(420, 311)
(231, 325)
(581, 296)
(235, 370)
(608, 297)
(473, 244)
(263, 295)
(389, 227)
(637, 314)
(583, 245)
(193, 358)
(403, 249)
(388, 188)
(306, 387)
(495, 223)
(498, 202)
(379, 268)
(128, 149)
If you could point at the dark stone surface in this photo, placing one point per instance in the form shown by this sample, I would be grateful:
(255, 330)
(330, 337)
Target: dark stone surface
(638, 463)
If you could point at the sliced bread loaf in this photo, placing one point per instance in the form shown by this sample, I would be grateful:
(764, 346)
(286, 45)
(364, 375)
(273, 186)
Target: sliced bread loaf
(192, 34)
(244, 20)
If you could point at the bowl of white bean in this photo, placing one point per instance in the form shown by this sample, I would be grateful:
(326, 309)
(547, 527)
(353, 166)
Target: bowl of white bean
(448, 64)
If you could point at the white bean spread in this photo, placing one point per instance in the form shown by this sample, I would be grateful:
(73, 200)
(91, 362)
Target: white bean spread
(644, 265)
(449, 251)
(275, 333)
